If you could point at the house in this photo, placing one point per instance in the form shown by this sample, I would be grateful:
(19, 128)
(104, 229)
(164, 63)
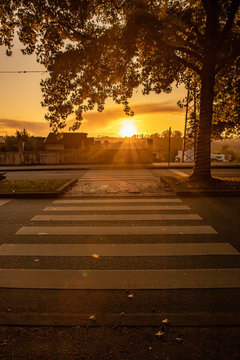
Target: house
(122, 151)
(67, 141)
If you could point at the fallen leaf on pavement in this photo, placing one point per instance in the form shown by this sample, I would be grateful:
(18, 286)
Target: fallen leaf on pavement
(179, 339)
(159, 333)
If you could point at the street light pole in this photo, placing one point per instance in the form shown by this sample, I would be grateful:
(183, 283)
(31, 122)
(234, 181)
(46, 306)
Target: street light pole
(169, 145)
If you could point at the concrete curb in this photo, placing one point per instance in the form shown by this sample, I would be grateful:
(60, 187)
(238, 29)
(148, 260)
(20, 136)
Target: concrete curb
(32, 168)
(40, 195)
(200, 193)
(190, 166)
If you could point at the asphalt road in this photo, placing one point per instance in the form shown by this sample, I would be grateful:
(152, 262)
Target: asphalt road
(68, 174)
(121, 323)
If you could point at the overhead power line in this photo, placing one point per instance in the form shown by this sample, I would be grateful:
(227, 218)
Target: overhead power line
(23, 71)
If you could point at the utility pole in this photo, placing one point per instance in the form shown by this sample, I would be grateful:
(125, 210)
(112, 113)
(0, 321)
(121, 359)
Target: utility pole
(190, 131)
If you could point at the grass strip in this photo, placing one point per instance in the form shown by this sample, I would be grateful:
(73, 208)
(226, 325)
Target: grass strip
(31, 186)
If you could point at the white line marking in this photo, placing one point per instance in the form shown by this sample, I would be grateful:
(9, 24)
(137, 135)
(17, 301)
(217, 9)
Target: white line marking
(98, 250)
(2, 202)
(120, 279)
(117, 208)
(113, 217)
(120, 201)
(115, 230)
(119, 175)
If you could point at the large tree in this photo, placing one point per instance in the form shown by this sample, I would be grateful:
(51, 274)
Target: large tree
(95, 49)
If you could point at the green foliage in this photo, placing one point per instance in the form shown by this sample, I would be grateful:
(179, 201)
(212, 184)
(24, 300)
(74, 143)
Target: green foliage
(96, 49)
(10, 144)
(22, 135)
(226, 116)
(29, 186)
(8, 22)
(31, 143)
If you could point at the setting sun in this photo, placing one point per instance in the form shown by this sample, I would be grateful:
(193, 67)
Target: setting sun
(128, 130)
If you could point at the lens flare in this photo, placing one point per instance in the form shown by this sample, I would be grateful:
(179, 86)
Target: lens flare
(128, 130)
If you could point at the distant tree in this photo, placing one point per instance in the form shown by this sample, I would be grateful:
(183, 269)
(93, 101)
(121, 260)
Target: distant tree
(31, 143)
(97, 49)
(10, 144)
(165, 134)
(22, 135)
(176, 134)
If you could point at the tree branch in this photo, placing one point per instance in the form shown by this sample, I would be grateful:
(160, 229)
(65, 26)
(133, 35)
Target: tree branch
(187, 51)
(189, 64)
(229, 23)
(184, 31)
(230, 57)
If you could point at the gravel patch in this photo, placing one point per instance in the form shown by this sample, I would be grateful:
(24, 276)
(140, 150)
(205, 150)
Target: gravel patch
(99, 187)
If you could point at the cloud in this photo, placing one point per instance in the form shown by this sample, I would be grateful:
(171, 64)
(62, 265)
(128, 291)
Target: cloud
(95, 119)
(34, 127)
(165, 107)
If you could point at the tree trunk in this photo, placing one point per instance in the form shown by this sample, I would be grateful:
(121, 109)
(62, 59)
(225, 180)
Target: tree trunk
(202, 168)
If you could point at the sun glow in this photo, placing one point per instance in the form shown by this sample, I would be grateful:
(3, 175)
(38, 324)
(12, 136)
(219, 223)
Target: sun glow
(128, 130)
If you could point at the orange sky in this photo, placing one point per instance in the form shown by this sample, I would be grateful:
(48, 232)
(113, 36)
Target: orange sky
(20, 107)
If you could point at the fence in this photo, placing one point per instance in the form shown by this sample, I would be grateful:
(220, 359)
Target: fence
(52, 157)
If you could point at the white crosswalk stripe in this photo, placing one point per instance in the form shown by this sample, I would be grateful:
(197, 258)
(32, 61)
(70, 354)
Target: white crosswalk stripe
(154, 210)
(115, 230)
(3, 202)
(118, 175)
(117, 208)
(117, 217)
(119, 201)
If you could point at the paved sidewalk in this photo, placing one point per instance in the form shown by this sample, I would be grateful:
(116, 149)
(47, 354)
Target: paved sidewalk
(116, 182)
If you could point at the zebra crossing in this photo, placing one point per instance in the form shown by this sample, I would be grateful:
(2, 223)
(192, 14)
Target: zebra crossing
(119, 219)
(114, 175)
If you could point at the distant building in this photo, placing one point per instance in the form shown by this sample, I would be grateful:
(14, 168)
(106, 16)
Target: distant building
(67, 141)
